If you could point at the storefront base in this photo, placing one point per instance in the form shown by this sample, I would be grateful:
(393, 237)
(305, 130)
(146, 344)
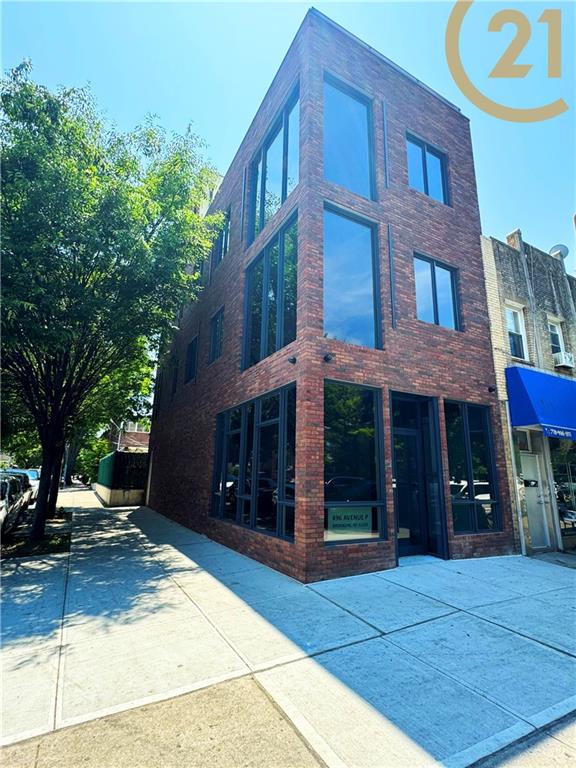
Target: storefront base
(118, 497)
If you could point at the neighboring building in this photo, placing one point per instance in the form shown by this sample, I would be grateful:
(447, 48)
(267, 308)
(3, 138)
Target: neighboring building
(531, 300)
(329, 404)
(129, 435)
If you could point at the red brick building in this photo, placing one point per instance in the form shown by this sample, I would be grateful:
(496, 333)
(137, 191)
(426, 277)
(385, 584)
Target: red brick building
(328, 405)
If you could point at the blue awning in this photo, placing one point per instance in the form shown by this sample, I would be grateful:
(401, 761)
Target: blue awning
(539, 399)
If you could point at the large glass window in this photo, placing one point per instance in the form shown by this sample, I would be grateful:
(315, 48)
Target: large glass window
(516, 332)
(435, 292)
(254, 480)
(472, 477)
(347, 151)
(350, 282)
(427, 169)
(352, 484)
(216, 335)
(275, 168)
(271, 302)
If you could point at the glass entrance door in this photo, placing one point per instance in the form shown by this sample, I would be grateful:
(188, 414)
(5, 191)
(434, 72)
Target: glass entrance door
(410, 493)
(418, 498)
(536, 506)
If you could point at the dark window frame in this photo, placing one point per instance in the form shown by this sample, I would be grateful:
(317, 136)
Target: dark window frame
(216, 345)
(258, 174)
(495, 499)
(380, 471)
(455, 282)
(223, 431)
(263, 256)
(363, 98)
(442, 156)
(191, 366)
(374, 228)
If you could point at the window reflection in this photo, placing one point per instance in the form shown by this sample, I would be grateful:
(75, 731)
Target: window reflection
(426, 169)
(275, 168)
(424, 293)
(350, 463)
(266, 506)
(232, 473)
(347, 140)
(472, 485)
(254, 476)
(271, 320)
(435, 292)
(349, 284)
(274, 171)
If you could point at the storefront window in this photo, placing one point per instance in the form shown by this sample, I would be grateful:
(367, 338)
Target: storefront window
(352, 489)
(254, 473)
(563, 458)
(472, 486)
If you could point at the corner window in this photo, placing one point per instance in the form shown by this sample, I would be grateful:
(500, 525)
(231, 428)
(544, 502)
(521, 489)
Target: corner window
(435, 292)
(271, 296)
(353, 496)
(216, 335)
(347, 139)
(516, 332)
(351, 308)
(471, 466)
(427, 169)
(191, 360)
(556, 338)
(275, 169)
(254, 468)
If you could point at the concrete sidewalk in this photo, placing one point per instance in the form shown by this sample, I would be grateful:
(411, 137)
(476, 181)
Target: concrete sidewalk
(433, 662)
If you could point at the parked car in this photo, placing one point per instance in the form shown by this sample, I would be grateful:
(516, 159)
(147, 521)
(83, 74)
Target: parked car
(27, 488)
(12, 501)
(34, 477)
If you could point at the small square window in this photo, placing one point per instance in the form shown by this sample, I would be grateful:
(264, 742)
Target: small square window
(216, 335)
(427, 169)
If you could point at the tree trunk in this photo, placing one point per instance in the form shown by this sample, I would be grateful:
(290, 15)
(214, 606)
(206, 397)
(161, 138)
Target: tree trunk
(39, 523)
(55, 481)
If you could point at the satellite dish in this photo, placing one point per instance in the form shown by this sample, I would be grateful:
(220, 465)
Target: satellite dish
(559, 250)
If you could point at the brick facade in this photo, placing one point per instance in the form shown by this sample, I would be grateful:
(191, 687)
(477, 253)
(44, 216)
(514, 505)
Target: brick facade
(417, 357)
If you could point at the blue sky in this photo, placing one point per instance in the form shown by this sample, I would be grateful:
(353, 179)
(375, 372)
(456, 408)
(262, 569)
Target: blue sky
(211, 63)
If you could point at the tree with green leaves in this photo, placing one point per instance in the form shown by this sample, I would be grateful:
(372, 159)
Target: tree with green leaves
(102, 244)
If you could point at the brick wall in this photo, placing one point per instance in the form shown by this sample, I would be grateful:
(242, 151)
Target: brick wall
(418, 358)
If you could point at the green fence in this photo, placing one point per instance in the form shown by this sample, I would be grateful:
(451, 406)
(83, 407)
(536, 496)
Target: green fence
(106, 470)
(123, 469)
